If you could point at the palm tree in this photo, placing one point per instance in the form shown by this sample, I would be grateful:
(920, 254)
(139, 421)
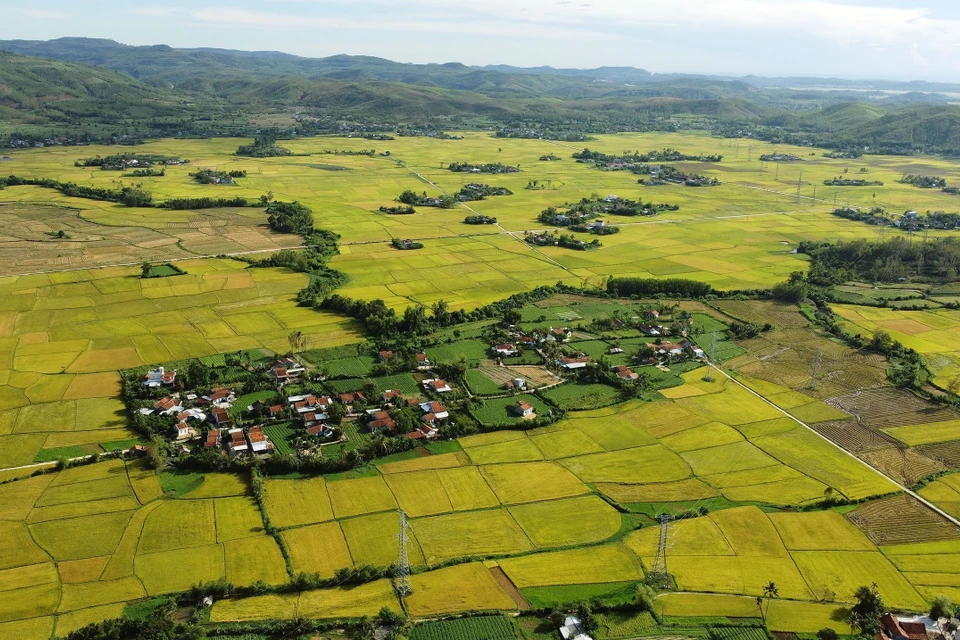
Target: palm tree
(770, 591)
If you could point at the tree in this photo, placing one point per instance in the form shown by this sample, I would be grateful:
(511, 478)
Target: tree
(881, 342)
(827, 634)
(335, 413)
(942, 608)
(289, 217)
(145, 269)
(298, 341)
(866, 613)
(137, 198)
(770, 591)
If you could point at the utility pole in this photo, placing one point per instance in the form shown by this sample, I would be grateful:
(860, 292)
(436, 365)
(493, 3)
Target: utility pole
(713, 351)
(815, 372)
(402, 580)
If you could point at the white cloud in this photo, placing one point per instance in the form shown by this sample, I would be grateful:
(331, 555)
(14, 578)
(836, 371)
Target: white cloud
(245, 18)
(154, 12)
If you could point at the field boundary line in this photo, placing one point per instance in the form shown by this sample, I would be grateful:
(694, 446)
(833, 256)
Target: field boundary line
(902, 488)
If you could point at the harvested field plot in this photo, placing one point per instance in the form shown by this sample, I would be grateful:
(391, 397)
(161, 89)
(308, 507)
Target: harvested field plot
(901, 520)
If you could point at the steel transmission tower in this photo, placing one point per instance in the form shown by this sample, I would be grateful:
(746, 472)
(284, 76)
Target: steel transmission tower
(658, 574)
(402, 580)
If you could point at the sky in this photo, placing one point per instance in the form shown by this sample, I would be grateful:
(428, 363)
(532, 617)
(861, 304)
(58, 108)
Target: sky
(902, 39)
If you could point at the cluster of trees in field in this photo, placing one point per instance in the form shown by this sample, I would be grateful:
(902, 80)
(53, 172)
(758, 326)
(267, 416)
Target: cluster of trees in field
(780, 157)
(478, 219)
(212, 176)
(923, 182)
(938, 260)
(589, 208)
(665, 174)
(404, 209)
(486, 167)
(564, 240)
(122, 161)
(264, 146)
(476, 191)
(852, 182)
(542, 134)
(664, 155)
(406, 244)
(412, 198)
(129, 196)
(648, 287)
(183, 204)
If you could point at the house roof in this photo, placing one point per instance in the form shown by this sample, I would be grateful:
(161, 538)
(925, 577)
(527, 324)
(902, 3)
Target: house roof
(276, 409)
(353, 396)
(315, 429)
(524, 405)
(221, 415)
(386, 355)
(505, 347)
(422, 357)
(390, 394)
(165, 403)
(386, 423)
(416, 434)
(256, 434)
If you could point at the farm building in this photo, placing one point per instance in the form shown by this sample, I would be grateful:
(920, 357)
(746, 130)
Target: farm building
(237, 444)
(168, 406)
(220, 417)
(159, 377)
(573, 363)
(437, 386)
(516, 383)
(523, 409)
(322, 430)
(213, 439)
(423, 361)
(390, 395)
(259, 442)
(505, 349)
(285, 370)
(625, 373)
(437, 409)
(572, 629)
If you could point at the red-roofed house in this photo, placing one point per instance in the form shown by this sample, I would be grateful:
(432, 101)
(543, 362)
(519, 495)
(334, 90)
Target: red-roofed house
(523, 409)
(220, 417)
(159, 377)
(422, 360)
(505, 349)
(213, 439)
(168, 406)
(625, 373)
(259, 442)
(435, 408)
(285, 370)
(237, 444)
(385, 355)
(573, 363)
(381, 421)
(388, 396)
(437, 386)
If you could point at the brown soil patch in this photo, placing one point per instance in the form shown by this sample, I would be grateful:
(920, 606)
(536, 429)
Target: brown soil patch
(509, 587)
(946, 452)
(853, 436)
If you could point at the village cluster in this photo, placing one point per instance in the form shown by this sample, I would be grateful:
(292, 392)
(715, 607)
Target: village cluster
(226, 421)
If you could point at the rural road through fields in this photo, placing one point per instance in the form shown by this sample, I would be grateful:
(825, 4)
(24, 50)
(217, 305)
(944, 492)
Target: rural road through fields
(906, 490)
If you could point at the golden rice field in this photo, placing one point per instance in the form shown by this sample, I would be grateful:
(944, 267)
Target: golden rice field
(82, 543)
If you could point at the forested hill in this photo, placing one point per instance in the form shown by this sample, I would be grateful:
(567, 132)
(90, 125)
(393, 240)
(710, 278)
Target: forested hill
(39, 90)
(158, 90)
